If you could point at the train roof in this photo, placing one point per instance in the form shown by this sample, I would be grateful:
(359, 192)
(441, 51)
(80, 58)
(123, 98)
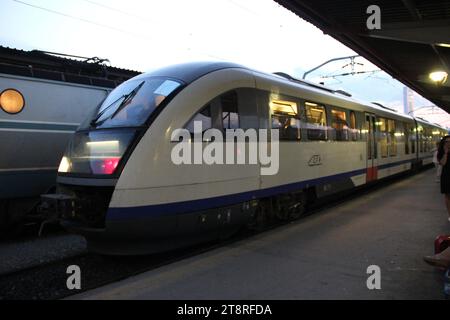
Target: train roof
(191, 71)
(61, 67)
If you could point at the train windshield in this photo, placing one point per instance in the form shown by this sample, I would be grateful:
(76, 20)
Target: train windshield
(131, 103)
(96, 152)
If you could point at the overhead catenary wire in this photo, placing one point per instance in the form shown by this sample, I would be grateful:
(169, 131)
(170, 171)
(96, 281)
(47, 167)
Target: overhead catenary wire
(130, 33)
(116, 10)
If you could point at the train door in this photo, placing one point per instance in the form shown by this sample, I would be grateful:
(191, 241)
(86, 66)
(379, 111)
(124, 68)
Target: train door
(372, 152)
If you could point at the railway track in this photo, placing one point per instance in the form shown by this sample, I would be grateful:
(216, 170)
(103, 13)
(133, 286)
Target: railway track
(48, 281)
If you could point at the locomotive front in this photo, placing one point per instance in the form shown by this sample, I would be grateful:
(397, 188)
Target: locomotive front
(98, 152)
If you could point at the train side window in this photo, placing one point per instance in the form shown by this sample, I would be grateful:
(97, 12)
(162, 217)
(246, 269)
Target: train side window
(413, 137)
(392, 138)
(316, 118)
(383, 137)
(420, 131)
(284, 115)
(406, 137)
(428, 139)
(230, 115)
(353, 129)
(248, 108)
(339, 124)
(204, 116)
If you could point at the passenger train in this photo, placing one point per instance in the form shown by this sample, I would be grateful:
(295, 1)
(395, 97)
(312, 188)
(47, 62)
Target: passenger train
(43, 99)
(118, 185)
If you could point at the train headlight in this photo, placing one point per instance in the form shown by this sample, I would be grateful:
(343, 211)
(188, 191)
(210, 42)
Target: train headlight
(64, 166)
(12, 101)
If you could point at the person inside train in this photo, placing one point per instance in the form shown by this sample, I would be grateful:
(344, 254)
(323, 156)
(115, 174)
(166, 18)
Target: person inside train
(444, 161)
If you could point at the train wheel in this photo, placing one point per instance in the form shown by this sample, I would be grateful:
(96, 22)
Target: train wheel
(260, 217)
(299, 208)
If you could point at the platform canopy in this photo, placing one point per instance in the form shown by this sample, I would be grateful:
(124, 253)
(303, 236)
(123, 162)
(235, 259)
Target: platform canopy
(414, 39)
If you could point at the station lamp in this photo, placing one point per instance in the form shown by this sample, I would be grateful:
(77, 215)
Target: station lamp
(438, 77)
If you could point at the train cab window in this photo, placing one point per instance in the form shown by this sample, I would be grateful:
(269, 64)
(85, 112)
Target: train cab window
(339, 125)
(230, 115)
(383, 137)
(204, 117)
(285, 118)
(316, 118)
(353, 129)
(392, 138)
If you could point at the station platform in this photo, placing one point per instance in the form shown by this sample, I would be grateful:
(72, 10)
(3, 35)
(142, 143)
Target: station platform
(323, 256)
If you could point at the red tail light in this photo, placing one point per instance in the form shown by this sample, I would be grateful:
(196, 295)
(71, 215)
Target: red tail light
(109, 165)
(105, 165)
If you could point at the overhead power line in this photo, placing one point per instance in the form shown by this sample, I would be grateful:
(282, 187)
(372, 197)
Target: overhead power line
(97, 24)
(116, 10)
(75, 18)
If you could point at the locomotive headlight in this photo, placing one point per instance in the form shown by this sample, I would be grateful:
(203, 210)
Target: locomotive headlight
(12, 101)
(64, 166)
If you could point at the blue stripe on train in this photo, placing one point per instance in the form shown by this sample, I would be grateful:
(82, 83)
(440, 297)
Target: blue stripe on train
(216, 202)
(167, 209)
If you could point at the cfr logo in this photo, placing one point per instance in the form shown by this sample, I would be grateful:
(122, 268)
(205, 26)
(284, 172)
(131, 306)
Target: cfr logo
(315, 160)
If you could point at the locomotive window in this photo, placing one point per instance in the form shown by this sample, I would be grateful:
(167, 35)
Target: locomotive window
(230, 115)
(339, 124)
(12, 101)
(204, 117)
(285, 118)
(316, 121)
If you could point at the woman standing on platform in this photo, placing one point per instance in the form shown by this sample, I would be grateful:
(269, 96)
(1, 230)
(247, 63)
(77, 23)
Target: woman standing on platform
(443, 157)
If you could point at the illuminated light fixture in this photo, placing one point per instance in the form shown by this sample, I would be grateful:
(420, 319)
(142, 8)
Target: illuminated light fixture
(282, 106)
(399, 134)
(12, 101)
(64, 166)
(438, 76)
(109, 165)
(103, 146)
(446, 45)
(436, 133)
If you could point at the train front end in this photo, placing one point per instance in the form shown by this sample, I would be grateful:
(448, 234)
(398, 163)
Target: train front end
(95, 158)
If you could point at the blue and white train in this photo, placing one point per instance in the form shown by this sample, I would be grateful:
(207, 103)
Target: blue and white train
(118, 185)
